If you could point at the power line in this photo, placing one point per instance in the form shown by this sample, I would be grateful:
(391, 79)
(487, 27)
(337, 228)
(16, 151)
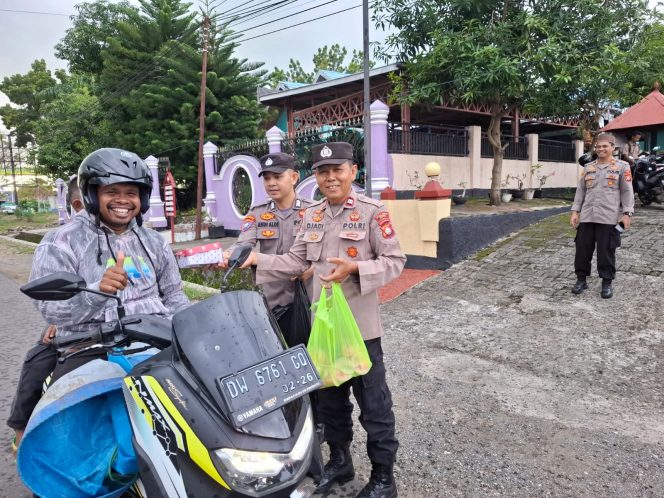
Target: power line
(291, 15)
(300, 23)
(35, 12)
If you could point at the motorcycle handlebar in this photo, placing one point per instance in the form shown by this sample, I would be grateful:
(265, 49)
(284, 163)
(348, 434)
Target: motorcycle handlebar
(94, 336)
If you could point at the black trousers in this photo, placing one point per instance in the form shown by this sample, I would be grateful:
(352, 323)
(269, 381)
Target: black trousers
(376, 415)
(38, 364)
(607, 239)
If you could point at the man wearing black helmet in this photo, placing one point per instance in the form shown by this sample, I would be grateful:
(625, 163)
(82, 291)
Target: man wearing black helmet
(110, 249)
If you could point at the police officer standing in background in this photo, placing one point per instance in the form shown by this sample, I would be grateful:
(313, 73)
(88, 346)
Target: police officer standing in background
(604, 197)
(274, 224)
(348, 238)
(631, 150)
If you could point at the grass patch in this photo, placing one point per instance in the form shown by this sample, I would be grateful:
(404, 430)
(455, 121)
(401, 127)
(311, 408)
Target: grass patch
(11, 222)
(487, 251)
(539, 234)
(196, 295)
(536, 235)
(238, 280)
(16, 248)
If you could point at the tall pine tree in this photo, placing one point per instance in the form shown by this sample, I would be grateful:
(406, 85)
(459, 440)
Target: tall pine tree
(159, 115)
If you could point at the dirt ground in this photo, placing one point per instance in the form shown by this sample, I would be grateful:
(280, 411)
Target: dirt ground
(506, 384)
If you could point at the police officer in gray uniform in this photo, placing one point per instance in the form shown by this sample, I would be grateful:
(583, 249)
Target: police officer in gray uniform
(348, 238)
(273, 225)
(603, 205)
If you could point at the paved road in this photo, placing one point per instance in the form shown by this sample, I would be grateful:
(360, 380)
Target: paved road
(21, 325)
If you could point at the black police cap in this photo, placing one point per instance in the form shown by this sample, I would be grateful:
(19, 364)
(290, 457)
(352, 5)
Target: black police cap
(276, 163)
(331, 153)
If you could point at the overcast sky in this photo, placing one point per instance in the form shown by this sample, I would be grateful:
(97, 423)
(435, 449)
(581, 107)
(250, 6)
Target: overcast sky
(25, 37)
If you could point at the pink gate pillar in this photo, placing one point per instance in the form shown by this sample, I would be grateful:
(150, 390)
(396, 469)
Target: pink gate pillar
(155, 215)
(382, 170)
(61, 190)
(209, 157)
(274, 137)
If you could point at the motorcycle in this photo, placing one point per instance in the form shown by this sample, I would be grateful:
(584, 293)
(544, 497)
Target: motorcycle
(220, 410)
(648, 177)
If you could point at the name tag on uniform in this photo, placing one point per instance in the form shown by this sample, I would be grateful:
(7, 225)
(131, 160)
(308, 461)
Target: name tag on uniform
(353, 234)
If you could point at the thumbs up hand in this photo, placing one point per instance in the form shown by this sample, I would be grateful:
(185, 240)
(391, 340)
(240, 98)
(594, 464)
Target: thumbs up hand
(115, 278)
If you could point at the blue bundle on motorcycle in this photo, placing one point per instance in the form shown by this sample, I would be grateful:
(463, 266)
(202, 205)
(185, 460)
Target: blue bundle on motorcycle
(78, 440)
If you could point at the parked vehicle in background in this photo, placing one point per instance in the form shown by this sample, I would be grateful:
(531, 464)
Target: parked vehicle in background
(8, 207)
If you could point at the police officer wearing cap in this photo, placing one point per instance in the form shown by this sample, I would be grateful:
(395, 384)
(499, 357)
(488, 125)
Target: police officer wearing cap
(603, 207)
(274, 224)
(348, 238)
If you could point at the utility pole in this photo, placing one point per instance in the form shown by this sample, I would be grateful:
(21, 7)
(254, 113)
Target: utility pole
(367, 102)
(201, 133)
(11, 162)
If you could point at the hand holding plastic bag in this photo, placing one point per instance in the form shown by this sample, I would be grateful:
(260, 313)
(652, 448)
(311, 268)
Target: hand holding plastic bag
(336, 346)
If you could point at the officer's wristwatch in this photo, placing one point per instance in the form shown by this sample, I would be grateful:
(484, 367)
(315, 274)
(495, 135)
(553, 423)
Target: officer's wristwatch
(628, 214)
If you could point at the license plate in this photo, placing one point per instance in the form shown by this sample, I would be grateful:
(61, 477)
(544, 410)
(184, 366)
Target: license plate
(269, 385)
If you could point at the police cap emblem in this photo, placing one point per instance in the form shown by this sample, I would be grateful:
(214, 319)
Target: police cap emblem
(326, 152)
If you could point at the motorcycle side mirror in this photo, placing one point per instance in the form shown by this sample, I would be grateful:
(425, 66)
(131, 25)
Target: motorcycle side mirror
(61, 286)
(55, 287)
(236, 259)
(655, 148)
(239, 256)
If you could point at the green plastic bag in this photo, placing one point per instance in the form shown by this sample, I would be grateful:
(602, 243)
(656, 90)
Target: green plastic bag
(335, 344)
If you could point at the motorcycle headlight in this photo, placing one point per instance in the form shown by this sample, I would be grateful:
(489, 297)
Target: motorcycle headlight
(257, 473)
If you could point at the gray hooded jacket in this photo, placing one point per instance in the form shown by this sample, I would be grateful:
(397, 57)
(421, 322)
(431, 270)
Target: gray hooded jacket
(80, 246)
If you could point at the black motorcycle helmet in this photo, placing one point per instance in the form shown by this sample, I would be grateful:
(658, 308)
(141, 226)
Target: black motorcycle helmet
(109, 166)
(587, 157)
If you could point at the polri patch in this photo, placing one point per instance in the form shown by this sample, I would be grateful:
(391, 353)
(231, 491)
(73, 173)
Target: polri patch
(352, 252)
(248, 222)
(354, 216)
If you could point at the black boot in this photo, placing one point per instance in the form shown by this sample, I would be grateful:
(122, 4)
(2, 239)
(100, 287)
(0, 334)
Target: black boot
(381, 484)
(579, 286)
(607, 289)
(338, 469)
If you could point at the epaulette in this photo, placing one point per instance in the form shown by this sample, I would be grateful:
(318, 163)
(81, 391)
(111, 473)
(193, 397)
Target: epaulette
(315, 203)
(369, 200)
(261, 204)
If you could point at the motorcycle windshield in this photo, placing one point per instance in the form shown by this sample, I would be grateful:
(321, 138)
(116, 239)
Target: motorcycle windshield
(225, 334)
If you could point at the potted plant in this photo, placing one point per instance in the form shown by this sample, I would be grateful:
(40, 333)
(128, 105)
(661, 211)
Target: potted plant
(460, 199)
(529, 193)
(542, 180)
(518, 193)
(506, 195)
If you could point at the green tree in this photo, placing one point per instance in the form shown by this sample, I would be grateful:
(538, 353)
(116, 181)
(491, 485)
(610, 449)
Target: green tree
(25, 91)
(161, 115)
(326, 58)
(72, 126)
(533, 55)
(84, 42)
(139, 52)
(602, 57)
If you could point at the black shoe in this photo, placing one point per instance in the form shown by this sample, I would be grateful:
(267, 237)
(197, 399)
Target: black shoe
(607, 289)
(579, 286)
(381, 484)
(338, 469)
